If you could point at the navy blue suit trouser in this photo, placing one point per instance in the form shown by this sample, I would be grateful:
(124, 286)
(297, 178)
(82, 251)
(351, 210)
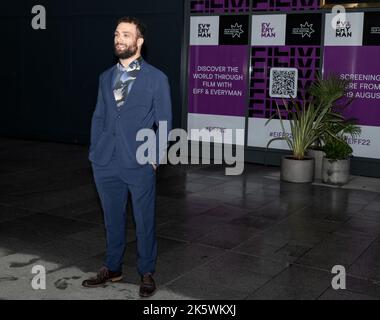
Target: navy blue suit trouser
(113, 183)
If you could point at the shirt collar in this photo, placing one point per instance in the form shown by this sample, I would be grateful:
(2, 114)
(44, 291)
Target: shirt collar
(134, 65)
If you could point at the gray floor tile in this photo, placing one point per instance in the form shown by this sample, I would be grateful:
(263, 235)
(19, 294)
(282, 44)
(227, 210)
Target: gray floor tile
(200, 289)
(279, 292)
(228, 236)
(337, 249)
(11, 213)
(368, 264)
(332, 294)
(219, 237)
(41, 228)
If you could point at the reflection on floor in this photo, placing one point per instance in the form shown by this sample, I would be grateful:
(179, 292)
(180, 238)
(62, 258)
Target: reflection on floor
(220, 237)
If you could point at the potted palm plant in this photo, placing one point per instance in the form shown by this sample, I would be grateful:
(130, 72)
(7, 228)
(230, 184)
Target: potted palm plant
(328, 92)
(313, 122)
(307, 122)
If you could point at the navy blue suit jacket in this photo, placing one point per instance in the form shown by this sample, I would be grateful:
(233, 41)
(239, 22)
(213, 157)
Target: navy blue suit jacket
(147, 104)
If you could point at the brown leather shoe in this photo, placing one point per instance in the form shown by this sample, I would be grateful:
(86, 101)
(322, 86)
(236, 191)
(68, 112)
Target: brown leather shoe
(104, 275)
(147, 286)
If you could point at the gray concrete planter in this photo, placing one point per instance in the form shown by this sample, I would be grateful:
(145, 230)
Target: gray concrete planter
(335, 172)
(298, 171)
(318, 159)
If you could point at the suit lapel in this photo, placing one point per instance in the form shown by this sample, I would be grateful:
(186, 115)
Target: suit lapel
(137, 86)
(109, 83)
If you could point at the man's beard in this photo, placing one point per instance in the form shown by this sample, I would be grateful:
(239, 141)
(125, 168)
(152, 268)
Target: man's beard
(128, 52)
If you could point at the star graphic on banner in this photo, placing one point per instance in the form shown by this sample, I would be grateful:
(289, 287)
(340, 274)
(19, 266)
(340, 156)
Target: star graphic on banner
(307, 29)
(237, 30)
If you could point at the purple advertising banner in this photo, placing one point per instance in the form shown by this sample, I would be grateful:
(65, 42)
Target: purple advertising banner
(219, 6)
(305, 58)
(285, 5)
(218, 80)
(231, 6)
(360, 66)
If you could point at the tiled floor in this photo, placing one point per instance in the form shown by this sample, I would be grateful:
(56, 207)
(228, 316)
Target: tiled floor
(220, 237)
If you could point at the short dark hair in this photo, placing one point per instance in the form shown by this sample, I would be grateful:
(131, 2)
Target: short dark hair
(141, 27)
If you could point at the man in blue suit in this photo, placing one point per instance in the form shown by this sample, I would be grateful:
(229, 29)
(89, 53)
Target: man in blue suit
(132, 96)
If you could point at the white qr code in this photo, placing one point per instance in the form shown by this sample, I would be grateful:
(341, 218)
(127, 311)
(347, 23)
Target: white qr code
(283, 82)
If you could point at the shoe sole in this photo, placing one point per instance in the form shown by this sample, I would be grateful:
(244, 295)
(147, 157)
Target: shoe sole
(147, 295)
(117, 279)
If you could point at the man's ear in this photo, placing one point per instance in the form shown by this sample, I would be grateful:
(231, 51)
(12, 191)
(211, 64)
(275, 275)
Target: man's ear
(140, 42)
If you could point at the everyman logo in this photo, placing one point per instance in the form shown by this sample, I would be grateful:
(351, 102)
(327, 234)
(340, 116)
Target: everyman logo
(204, 30)
(343, 29)
(267, 31)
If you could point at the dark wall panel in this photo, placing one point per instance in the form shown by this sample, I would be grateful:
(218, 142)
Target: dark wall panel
(49, 77)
